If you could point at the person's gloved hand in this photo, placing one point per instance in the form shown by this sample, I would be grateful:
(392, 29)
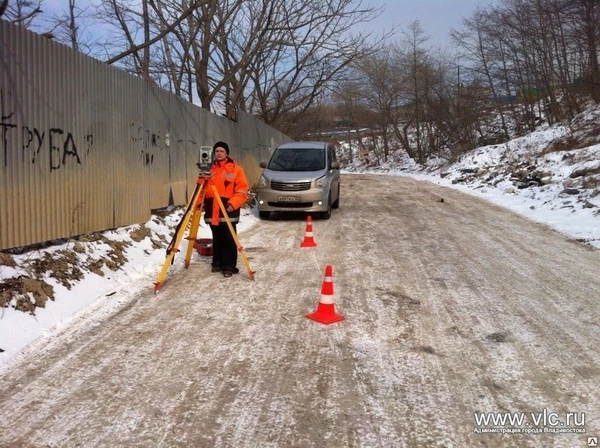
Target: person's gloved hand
(229, 208)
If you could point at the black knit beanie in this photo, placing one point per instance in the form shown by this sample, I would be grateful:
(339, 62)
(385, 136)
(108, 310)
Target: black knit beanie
(222, 145)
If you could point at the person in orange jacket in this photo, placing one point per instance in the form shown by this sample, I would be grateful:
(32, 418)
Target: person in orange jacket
(230, 181)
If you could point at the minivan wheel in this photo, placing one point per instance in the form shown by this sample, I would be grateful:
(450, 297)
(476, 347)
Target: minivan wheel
(327, 214)
(336, 204)
(264, 215)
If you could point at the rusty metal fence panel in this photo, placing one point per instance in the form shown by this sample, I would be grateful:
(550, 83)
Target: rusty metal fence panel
(86, 147)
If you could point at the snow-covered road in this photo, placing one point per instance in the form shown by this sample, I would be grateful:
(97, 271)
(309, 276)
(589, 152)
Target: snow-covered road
(452, 308)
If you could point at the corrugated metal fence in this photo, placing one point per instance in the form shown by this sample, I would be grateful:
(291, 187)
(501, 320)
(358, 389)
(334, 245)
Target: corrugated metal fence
(86, 147)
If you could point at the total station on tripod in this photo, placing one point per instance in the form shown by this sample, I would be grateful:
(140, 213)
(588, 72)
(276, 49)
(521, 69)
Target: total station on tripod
(205, 158)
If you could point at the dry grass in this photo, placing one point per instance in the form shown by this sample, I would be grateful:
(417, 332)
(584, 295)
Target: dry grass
(30, 291)
(565, 144)
(585, 172)
(141, 233)
(7, 260)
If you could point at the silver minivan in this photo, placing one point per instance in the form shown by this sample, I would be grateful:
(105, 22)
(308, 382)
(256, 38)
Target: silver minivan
(300, 176)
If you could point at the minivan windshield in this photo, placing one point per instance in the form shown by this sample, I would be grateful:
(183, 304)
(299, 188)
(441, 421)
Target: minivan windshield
(297, 159)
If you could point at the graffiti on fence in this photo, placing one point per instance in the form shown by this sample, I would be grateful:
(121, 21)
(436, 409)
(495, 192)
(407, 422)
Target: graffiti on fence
(149, 140)
(5, 126)
(61, 145)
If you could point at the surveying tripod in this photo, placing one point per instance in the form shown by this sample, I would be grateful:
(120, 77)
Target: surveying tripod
(193, 213)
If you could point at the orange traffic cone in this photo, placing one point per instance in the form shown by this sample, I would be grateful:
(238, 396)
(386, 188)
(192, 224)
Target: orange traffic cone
(309, 241)
(325, 312)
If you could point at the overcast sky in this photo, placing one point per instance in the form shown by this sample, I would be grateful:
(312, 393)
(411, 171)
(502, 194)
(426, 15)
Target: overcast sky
(436, 17)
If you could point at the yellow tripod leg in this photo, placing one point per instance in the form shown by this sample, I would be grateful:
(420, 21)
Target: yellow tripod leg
(194, 229)
(171, 253)
(233, 234)
(182, 226)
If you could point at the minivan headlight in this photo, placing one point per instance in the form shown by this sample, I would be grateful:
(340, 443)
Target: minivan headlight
(320, 182)
(263, 182)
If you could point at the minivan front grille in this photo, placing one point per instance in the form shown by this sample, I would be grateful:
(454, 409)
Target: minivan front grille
(289, 186)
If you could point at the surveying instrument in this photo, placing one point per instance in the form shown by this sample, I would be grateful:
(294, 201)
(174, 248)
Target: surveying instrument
(191, 219)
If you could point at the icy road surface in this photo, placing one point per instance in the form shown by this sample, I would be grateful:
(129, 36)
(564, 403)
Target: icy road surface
(452, 308)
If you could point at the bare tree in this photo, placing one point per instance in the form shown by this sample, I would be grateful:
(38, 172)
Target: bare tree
(417, 65)
(542, 53)
(310, 51)
(239, 46)
(3, 7)
(176, 54)
(477, 47)
(120, 15)
(587, 17)
(66, 27)
(145, 63)
(22, 12)
(203, 28)
(129, 21)
(383, 85)
(350, 96)
(72, 25)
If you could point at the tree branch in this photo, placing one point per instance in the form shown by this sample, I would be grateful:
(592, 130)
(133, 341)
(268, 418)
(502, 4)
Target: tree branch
(158, 36)
(3, 7)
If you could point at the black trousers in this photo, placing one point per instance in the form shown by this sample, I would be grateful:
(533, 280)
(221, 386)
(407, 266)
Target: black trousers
(224, 248)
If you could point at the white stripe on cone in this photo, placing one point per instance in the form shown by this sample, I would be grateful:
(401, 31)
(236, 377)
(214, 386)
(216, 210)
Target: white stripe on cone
(326, 299)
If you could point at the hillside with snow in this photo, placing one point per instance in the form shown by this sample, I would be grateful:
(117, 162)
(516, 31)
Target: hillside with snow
(551, 175)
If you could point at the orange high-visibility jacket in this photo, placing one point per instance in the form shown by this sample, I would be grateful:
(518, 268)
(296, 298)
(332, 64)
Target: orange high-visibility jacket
(231, 184)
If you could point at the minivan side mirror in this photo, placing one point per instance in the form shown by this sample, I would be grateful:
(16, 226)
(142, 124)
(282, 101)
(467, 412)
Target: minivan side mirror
(263, 164)
(335, 165)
